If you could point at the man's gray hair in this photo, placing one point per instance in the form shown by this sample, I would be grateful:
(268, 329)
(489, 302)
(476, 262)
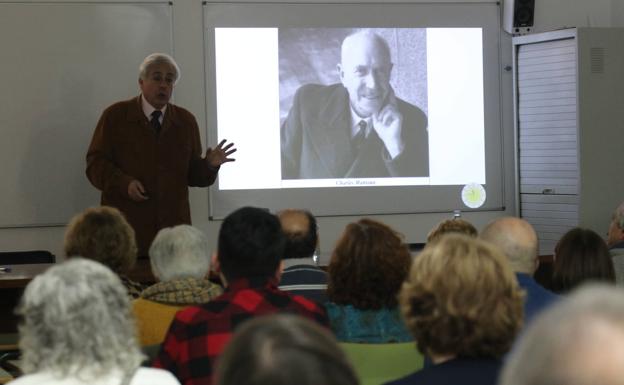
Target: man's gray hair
(179, 252)
(77, 322)
(579, 341)
(618, 216)
(158, 58)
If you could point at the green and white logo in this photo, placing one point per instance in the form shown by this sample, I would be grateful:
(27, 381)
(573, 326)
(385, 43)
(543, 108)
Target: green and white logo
(473, 195)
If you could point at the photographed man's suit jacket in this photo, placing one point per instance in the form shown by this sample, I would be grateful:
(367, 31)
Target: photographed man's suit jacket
(316, 140)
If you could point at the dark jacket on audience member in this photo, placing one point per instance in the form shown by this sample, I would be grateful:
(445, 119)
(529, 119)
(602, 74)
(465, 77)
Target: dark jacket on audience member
(458, 371)
(537, 298)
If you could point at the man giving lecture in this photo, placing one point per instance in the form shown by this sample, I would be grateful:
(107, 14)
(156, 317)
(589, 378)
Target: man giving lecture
(145, 152)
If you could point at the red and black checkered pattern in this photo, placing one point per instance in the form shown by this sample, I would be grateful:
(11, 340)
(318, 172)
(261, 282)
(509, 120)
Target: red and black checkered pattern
(198, 334)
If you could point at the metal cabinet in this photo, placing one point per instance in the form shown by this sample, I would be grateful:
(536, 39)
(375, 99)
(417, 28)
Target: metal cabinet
(569, 104)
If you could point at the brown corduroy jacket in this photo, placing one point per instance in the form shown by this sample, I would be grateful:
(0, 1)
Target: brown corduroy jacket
(125, 147)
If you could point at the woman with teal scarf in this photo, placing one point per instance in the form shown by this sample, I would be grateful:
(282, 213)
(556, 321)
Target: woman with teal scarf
(366, 271)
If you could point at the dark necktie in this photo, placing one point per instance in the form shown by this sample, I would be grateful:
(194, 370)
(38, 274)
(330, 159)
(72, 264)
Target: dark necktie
(155, 121)
(359, 137)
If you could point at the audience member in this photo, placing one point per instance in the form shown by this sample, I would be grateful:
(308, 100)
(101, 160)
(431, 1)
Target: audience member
(463, 305)
(103, 234)
(77, 329)
(250, 250)
(366, 270)
(180, 261)
(581, 256)
(283, 350)
(455, 225)
(615, 241)
(301, 274)
(579, 341)
(517, 239)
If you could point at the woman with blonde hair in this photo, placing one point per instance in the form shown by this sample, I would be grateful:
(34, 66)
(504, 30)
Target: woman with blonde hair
(455, 226)
(103, 234)
(464, 307)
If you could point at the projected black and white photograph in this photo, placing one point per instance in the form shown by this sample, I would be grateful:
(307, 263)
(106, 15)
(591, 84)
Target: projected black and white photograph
(336, 107)
(353, 103)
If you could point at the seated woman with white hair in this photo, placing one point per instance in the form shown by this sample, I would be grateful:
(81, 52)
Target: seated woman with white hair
(77, 328)
(180, 261)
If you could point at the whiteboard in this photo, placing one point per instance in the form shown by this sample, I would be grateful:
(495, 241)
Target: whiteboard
(62, 64)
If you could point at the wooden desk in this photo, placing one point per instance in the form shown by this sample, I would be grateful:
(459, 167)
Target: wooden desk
(20, 275)
(12, 286)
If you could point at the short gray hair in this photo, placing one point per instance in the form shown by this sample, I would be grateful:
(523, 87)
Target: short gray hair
(77, 322)
(179, 252)
(158, 58)
(566, 344)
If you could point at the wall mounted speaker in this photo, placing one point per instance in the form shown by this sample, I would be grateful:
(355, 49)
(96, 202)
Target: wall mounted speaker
(518, 16)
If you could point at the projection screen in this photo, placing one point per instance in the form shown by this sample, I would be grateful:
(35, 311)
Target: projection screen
(289, 84)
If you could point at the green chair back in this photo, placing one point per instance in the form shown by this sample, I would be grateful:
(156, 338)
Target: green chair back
(379, 363)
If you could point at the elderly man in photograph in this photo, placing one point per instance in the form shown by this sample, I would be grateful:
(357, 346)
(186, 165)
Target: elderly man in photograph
(145, 152)
(356, 129)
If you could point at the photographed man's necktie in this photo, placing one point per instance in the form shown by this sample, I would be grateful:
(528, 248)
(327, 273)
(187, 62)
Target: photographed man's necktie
(358, 139)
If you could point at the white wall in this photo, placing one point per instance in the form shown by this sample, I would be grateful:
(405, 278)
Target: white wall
(557, 14)
(617, 13)
(188, 33)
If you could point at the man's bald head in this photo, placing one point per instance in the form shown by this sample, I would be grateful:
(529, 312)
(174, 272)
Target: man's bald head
(294, 221)
(364, 69)
(362, 40)
(517, 239)
(301, 233)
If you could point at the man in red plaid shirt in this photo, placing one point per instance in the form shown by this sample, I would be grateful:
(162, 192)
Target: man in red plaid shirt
(251, 246)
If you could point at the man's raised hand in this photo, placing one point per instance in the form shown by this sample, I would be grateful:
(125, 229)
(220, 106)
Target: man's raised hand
(220, 154)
